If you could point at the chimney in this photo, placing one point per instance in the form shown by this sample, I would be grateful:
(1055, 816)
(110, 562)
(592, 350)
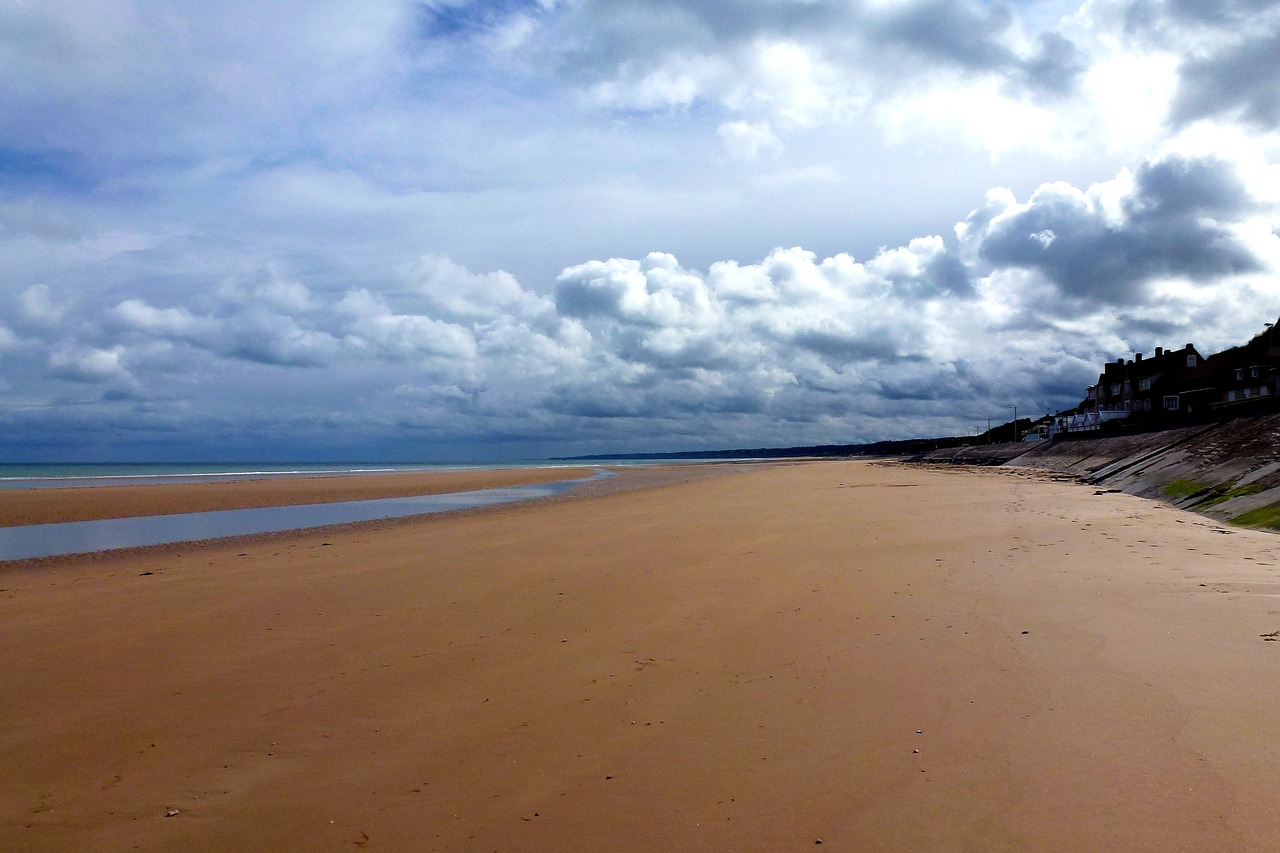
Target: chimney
(1137, 357)
(1159, 351)
(1189, 347)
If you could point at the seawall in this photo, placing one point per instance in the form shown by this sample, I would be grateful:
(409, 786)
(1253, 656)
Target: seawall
(1228, 471)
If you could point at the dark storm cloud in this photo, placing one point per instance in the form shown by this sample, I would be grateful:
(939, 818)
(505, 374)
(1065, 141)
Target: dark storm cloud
(973, 38)
(1230, 56)
(602, 40)
(1145, 16)
(962, 33)
(1056, 66)
(1174, 225)
(631, 26)
(948, 275)
(587, 296)
(841, 348)
(1178, 188)
(865, 47)
(657, 398)
(1241, 81)
(942, 274)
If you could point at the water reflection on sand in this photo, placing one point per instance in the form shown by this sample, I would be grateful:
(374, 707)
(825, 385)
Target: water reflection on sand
(79, 537)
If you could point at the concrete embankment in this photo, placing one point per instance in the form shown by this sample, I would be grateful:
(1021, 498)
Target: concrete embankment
(1229, 471)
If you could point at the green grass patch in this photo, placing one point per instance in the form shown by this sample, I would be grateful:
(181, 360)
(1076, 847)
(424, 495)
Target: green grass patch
(1267, 516)
(1222, 496)
(1182, 488)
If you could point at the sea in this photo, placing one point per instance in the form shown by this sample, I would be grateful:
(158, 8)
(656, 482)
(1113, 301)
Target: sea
(61, 475)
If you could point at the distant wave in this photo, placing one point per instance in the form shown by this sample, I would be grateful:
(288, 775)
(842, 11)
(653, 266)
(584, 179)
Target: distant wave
(82, 475)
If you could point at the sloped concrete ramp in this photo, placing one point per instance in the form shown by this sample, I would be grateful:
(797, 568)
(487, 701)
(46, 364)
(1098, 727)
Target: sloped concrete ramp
(1228, 471)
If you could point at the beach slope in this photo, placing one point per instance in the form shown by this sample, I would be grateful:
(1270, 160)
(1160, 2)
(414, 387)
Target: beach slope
(866, 656)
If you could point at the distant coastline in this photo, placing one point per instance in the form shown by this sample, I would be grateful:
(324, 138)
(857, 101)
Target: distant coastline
(903, 447)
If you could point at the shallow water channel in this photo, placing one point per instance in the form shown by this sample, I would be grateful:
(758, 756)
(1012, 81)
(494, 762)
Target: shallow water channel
(80, 537)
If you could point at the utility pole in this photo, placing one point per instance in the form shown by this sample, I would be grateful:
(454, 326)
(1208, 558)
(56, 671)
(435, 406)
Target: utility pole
(988, 430)
(1015, 421)
(1271, 354)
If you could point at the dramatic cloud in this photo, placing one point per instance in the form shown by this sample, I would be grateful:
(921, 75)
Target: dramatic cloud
(455, 229)
(1240, 80)
(1176, 222)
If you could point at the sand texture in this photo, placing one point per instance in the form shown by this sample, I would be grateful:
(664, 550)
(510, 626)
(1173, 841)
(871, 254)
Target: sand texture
(85, 503)
(868, 656)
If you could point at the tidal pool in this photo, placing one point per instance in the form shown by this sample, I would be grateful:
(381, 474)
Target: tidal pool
(80, 537)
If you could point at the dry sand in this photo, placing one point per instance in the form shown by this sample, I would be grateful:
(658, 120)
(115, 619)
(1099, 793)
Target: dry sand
(874, 657)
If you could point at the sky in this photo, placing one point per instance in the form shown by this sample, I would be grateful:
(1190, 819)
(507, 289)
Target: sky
(446, 230)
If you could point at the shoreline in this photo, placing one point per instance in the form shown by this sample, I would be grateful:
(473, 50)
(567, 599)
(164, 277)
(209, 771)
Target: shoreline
(625, 478)
(866, 655)
(20, 507)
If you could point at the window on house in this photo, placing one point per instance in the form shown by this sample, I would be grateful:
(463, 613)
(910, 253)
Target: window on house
(1144, 384)
(1253, 372)
(1239, 373)
(1171, 403)
(1115, 389)
(1191, 361)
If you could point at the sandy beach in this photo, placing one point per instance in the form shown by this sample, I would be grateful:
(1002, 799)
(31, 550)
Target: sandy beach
(765, 657)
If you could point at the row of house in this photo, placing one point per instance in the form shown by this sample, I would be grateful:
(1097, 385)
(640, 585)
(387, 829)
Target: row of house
(1174, 384)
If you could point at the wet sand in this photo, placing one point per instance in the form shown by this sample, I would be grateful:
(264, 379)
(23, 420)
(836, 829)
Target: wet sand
(88, 503)
(870, 656)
